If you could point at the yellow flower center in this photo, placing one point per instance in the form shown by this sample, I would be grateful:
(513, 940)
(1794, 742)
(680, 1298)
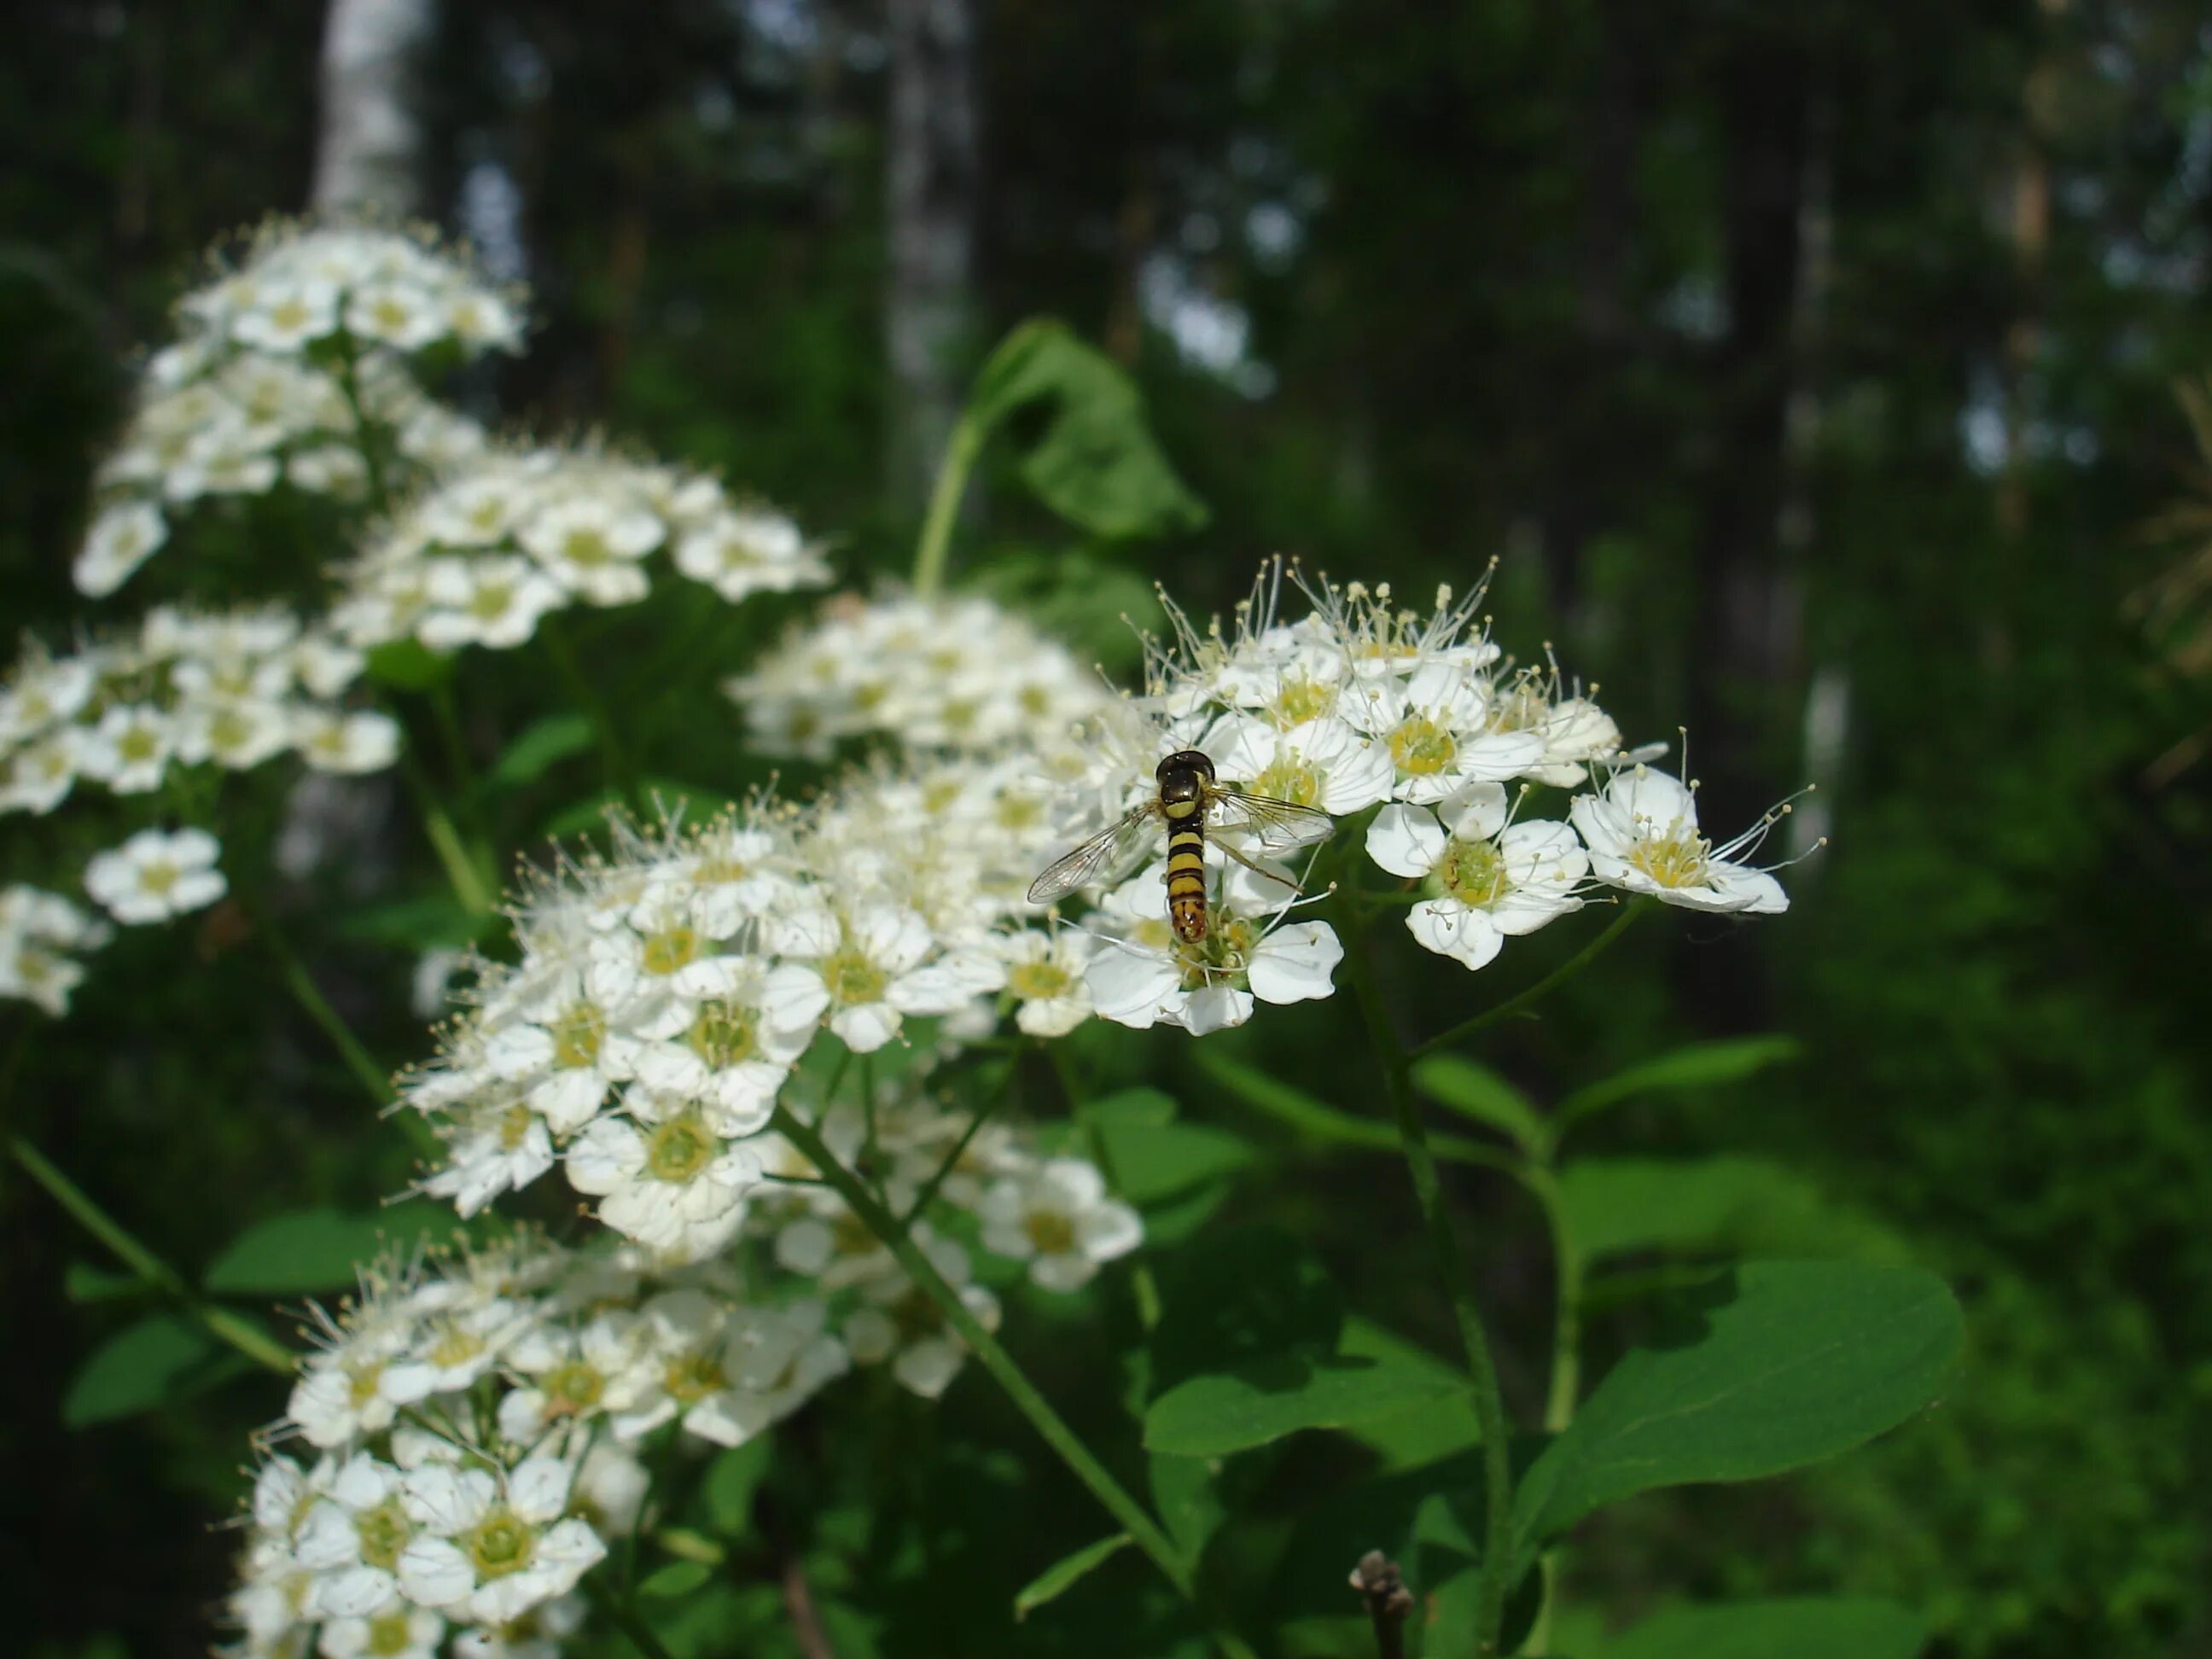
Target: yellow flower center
(572, 1389)
(1290, 779)
(1678, 858)
(679, 1149)
(383, 1531)
(669, 948)
(138, 744)
(1473, 872)
(491, 600)
(456, 1346)
(724, 1034)
(1301, 700)
(158, 876)
(499, 1544)
(1051, 1232)
(577, 1035)
(1033, 982)
(1225, 952)
(692, 1377)
(513, 1127)
(854, 981)
(389, 1633)
(586, 547)
(1420, 747)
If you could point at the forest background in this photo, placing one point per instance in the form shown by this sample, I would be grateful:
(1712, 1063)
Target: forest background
(1813, 367)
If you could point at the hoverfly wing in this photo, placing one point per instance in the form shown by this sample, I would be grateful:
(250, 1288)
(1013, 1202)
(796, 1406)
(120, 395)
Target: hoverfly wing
(1274, 827)
(1111, 849)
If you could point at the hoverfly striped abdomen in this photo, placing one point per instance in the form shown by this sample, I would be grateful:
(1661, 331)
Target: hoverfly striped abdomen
(1184, 777)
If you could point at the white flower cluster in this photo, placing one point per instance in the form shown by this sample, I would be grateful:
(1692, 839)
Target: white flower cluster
(664, 997)
(229, 689)
(293, 367)
(1362, 705)
(479, 558)
(42, 935)
(936, 672)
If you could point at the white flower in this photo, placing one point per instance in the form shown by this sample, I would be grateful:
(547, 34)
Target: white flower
(1323, 763)
(1435, 729)
(492, 1548)
(336, 740)
(592, 546)
(285, 316)
(732, 1057)
(352, 1538)
(1485, 877)
(869, 978)
(41, 933)
(1059, 1219)
(152, 876)
(569, 1369)
(399, 314)
(728, 1373)
(744, 550)
(664, 1177)
(1045, 977)
(1152, 977)
(129, 749)
(395, 1632)
(494, 602)
(40, 774)
(237, 733)
(1642, 836)
(500, 1146)
(120, 540)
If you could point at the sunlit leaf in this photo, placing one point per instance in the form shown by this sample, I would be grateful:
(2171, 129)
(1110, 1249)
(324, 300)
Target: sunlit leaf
(537, 750)
(1263, 1400)
(1811, 1627)
(1778, 1364)
(1616, 1205)
(1476, 1091)
(1697, 1066)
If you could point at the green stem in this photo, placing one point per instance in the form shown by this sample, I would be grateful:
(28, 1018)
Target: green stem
(934, 551)
(372, 1077)
(221, 1323)
(1544, 987)
(616, 758)
(477, 894)
(372, 456)
(994, 1359)
(1142, 1285)
(1428, 1192)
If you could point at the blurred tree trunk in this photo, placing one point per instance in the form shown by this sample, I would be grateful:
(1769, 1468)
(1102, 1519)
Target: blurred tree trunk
(930, 199)
(369, 153)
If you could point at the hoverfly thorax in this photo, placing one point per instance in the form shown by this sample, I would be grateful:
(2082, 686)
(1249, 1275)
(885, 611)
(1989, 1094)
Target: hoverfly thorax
(1183, 777)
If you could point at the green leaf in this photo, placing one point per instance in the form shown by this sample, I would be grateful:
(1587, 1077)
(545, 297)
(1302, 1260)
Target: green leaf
(414, 924)
(731, 1479)
(1422, 1434)
(1697, 1066)
(1096, 463)
(677, 1578)
(82, 1283)
(1184, 1495)
(1811, 1627)
(409, 666)
(1478, 1092)
(1778, 1364)
(1319, 1121)
(318, 1250)
(1142, 1108)
(1056, 1579)
(1616, 1205)
(539, 748)
(1263, 1400)
(135, 1369)
(1152, 1162)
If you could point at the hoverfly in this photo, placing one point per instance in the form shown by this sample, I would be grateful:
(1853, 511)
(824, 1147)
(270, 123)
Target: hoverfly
(1187, 799)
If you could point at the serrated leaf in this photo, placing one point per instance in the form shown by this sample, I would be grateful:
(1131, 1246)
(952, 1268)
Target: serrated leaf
(319, 1249)
(1476, 1091)
(1810, 1627)
(731, 1479)
(1263, 1400)
(540, 748)
(1056, 1579)
(134, 1369)
(1779, 1364)
(1095, 463)
(1696, 1066)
